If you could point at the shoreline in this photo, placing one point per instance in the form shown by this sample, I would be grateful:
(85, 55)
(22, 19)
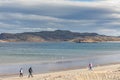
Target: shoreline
(60, 70)
(54, 66)
(103, 70)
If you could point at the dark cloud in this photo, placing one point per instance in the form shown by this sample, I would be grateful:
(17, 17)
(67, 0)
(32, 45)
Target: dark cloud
(19, 16)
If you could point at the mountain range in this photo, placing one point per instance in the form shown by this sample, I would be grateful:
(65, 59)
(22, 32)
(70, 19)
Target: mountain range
(57, 35)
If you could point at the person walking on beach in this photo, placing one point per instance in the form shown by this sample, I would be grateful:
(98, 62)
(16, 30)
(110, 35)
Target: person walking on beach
(30, 72)
(21, 72)
(90, 66)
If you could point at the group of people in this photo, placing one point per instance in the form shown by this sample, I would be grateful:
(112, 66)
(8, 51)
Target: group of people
(29, 70)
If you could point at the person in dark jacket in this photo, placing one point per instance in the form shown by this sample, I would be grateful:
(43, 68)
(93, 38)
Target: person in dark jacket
(30, 72)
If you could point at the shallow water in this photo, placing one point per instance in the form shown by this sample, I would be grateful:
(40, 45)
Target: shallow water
(49, 56)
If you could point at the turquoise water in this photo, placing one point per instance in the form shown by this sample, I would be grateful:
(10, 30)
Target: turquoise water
(53, 56)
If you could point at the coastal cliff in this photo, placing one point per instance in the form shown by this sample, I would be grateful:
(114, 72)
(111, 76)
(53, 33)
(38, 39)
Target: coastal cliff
(58, 35)
(95, 39)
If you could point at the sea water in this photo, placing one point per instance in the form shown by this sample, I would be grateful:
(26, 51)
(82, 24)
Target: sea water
(51, 56)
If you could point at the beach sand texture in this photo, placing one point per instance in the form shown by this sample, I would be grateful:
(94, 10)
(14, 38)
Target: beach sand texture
(108, 72)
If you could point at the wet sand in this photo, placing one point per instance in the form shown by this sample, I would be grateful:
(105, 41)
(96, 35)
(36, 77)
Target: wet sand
(106, 72)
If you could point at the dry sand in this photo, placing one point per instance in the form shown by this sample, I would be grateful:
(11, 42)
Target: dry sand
(109, 72)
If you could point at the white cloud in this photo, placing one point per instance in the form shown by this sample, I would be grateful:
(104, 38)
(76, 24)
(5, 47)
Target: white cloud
(20, 16)
(37, 29)
(112, 32)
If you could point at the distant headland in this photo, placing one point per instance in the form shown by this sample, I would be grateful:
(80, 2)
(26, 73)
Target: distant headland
(57, 35)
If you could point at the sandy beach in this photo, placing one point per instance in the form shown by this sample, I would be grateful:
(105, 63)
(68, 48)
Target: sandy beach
(107, 72)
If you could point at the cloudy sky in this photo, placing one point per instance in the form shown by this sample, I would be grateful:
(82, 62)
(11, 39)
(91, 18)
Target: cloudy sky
(101, 16)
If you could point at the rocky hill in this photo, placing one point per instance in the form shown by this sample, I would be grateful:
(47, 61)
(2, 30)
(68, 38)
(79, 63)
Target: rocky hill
(58, 35)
